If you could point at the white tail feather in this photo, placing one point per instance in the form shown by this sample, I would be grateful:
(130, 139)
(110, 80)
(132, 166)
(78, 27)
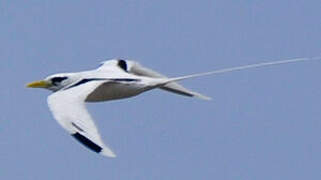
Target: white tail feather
(220, 71)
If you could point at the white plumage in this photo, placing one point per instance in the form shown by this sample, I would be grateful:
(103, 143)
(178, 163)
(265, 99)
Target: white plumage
(114, 79)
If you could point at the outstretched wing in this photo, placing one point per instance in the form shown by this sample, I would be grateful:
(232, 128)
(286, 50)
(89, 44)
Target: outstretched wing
(137, 69)
(68, 108)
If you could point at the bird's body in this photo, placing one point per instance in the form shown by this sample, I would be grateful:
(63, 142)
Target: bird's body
(114, 79)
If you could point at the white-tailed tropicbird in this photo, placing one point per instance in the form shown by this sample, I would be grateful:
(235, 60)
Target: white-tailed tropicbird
(114, 79)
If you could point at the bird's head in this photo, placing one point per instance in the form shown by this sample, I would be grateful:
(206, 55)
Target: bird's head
(54, 82)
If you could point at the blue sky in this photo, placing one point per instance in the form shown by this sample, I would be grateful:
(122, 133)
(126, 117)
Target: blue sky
(261, 124)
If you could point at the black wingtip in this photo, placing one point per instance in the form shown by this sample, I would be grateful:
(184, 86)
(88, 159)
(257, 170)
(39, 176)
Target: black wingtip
(87, 142)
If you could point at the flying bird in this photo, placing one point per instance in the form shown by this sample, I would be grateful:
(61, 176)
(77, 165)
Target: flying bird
(113, 79)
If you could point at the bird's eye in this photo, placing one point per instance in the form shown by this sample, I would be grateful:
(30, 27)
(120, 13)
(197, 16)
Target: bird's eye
(57, 80)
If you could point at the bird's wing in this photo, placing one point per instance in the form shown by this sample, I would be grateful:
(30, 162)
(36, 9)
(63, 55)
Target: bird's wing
(137, 69)
(68, 108)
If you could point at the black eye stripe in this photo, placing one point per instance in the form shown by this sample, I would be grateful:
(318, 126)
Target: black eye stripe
(56, 80)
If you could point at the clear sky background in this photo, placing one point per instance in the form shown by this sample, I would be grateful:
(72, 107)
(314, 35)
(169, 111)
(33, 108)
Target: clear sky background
(261, 124)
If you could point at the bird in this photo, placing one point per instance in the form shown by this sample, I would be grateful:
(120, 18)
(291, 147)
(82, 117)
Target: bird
(114, 79)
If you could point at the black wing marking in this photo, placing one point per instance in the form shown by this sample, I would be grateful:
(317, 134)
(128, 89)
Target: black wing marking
(87, 142)
(83, 81)
(122, 64)
(125, 80)
(77, 127)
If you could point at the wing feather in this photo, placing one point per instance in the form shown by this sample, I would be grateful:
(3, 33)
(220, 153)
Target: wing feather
(69, 109)
(137, 69)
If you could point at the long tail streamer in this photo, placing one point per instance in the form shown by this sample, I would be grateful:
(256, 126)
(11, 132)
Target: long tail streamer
(238, 68)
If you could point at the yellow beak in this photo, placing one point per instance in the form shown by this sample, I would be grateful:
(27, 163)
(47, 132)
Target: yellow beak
(39, 84)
